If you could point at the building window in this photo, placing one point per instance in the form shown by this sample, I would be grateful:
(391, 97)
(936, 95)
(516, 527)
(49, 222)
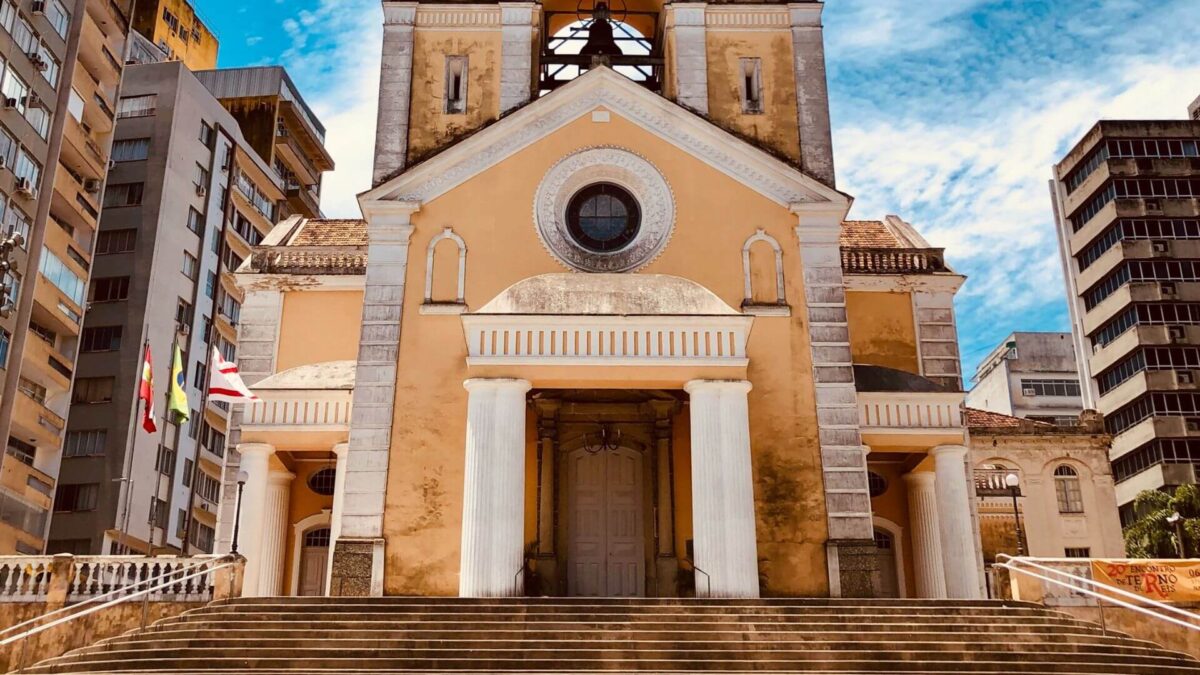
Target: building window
(164, 463)
(100, 339)
(456, 85)
(190, 266)
(158, 513)
(59, 17)
(115, 241)
(1082, 552)
(15, 90)
(1050, 387)
(195, 222)
(80, 497)
(85, 443)
(131, 150)
(207, 487)
(322, 482)
(201, 176)
(200, 375)
(123, 194)
(92, 390)
(603, 217)
(5, 340)
(876, 484)
(137, 106)
(210, 286)
(207, 134)
(183, 313)
(202, 537)
(64, 278)
(751, 86)
(188, 469)
(194, 423)
(27, 167)
(110, 289)
(31, 389)
(1066, 486)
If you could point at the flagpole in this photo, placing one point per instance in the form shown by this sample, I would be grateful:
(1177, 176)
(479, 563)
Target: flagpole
(127, 478)
(162, 442)
(187, 530)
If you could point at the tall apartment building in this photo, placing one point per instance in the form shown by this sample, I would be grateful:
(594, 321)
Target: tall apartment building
(188, 197)
(60, 69)
(280, 126)
(174, 27)
(1127, 203)
(1030, 375)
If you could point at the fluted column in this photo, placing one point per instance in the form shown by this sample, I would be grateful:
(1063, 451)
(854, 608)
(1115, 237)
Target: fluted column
(954, 517)
(493, 528)
(926, 535)
(723, 527)
(256, 462)
(341, 451)
(275, 527)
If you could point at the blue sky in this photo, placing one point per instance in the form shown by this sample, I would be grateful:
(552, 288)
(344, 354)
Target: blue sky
(948, 113)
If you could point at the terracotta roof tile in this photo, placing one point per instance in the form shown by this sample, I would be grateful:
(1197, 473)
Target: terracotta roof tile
(331, 232)
(868, 234)
(993, 420)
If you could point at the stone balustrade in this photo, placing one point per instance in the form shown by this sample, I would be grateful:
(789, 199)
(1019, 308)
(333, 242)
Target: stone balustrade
(67, 578)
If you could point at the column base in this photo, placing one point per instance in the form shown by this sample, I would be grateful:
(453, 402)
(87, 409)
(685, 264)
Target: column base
(357, 569)
(853, 568)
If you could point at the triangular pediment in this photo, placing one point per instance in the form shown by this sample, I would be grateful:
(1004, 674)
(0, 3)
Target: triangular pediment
(602, 88)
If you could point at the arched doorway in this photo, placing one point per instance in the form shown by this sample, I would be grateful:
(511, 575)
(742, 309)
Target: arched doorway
(885, 554)
(314, 560)
(605, 533)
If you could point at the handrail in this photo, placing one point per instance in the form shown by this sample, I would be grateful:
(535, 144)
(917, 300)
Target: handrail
(1013, 563)
(228, 558)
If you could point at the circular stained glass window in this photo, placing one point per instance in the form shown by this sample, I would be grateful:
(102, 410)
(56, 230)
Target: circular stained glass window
(603, 217)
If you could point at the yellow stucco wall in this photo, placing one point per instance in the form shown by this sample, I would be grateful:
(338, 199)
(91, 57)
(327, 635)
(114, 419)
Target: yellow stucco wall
(882, 330)
(302, 504)
(429, 127)
(892, 505)
(492, 213)
(777, 126)
(340, 314)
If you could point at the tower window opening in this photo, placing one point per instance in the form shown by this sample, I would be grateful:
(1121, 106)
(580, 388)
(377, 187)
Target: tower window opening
(456, 85)
(606, 29)
(751, 86)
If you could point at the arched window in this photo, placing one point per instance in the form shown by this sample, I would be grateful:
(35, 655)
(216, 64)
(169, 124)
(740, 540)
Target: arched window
(1066, 486)
(462, 268)
(317, 538)
(764, 278)
(569, 40)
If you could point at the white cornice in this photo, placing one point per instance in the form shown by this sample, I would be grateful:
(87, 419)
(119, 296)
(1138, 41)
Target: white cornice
(602, 87)
(891, 283)
(296, 282)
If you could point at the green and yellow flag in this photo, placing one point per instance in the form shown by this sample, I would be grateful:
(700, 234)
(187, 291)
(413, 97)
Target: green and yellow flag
(178, 402)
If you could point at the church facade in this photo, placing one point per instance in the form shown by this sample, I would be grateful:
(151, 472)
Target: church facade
(604, 330)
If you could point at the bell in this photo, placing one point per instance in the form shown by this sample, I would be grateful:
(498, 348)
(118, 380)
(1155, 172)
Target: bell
(600, 40)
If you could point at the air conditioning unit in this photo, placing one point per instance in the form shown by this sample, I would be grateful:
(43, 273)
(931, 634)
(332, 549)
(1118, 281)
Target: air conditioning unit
(37, 61)
(26, 188)
(91, 185)
(38, 7)
(201, 191)
(1177, 334)
(1029, 391)
(10, 103)
(33, 101)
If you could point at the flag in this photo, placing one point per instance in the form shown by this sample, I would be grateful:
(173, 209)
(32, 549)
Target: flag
(224, 383)
(178, 400)
(146, 393)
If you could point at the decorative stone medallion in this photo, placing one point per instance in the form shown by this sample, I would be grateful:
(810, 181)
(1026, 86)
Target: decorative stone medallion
(614, 166)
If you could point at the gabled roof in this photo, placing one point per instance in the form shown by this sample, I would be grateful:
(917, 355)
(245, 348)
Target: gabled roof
(602, 87)
(977, 418)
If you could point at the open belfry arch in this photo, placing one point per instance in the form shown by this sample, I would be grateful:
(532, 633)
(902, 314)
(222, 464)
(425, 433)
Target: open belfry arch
(649, 383)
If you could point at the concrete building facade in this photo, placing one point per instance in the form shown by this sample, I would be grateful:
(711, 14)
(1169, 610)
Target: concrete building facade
(1127, 204)
(1030, 375)
(175, 28)
(61, 63)
(163, 273)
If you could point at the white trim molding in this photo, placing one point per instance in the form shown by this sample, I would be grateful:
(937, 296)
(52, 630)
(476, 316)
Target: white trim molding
(299, 529)
(897, 534)
(445, 234)
(780, 303)
(911, 412)
(299, 410)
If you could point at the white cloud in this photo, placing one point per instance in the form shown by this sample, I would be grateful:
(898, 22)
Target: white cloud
(858, 27)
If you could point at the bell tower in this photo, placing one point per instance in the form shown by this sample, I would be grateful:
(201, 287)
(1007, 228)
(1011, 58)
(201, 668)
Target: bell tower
(756, 69)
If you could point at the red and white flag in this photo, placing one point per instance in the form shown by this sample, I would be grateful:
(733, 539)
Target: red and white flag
(146, 393)
(224, 383)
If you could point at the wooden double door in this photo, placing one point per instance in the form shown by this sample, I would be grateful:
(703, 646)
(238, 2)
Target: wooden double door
(606, 549)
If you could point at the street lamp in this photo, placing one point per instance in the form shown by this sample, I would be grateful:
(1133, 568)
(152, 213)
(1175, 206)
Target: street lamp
(242, 477)
(1176, 520)
(1012, 481)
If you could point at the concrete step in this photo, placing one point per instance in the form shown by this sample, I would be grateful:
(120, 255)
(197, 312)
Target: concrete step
(624, 609)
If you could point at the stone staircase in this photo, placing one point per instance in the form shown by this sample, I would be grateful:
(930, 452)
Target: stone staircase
(351, 635)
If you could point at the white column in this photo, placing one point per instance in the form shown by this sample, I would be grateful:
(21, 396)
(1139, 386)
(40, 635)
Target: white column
(256, 462)
(723, 527)
(954, 517)
(926, 535)
(274, 533)
(341, 451)
(493, 534)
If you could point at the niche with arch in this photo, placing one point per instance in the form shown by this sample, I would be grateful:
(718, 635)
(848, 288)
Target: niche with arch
(443, 273)
(762, 270)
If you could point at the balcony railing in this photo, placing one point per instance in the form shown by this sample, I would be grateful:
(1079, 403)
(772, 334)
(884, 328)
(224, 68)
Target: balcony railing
(893, 260)
(991, 483)
(910, 412)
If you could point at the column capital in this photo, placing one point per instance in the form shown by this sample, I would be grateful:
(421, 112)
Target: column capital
(280, 477)
(341, 450)
(737, 386)
(399, 13)
(261, 449)
(497, 383)
(924, 479)
(940, 451)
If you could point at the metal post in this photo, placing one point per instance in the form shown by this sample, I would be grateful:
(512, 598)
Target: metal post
(237, 512)
(1021, 548)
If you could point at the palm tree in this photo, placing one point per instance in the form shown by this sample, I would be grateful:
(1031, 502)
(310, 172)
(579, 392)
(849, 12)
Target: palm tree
(1152, 536)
